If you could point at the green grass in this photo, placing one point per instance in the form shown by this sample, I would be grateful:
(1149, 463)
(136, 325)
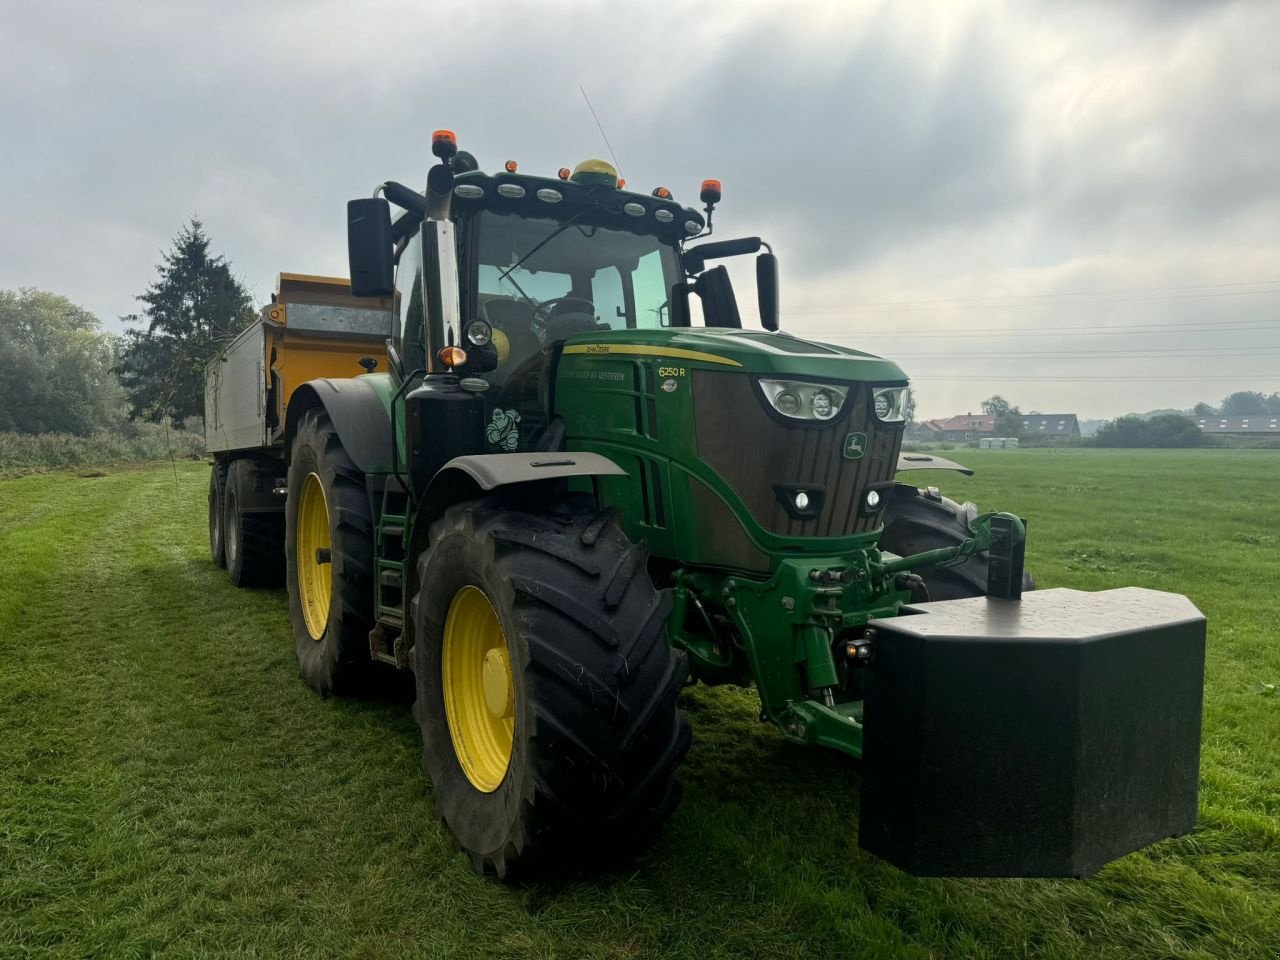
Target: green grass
(169, 786)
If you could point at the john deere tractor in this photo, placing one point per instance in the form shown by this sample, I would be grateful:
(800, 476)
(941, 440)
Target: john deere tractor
(579, 484)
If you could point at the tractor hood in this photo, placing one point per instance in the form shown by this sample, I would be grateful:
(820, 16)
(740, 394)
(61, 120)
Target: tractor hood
(754, 351)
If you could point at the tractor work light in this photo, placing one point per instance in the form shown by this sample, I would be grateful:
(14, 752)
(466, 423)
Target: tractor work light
(873, 499)
(547, 195)
(890, 404)
(468, 191)
(633, 209)
(664, 216)
(803, 401)
(512, 191)
(479, 333)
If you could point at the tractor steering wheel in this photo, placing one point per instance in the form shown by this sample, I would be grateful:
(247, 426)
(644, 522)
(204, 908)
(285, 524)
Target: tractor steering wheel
(557, 328)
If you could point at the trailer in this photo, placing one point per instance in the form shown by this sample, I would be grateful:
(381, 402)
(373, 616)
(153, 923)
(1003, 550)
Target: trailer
(313, 328)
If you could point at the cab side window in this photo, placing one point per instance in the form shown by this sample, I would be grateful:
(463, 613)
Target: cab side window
(412, 325)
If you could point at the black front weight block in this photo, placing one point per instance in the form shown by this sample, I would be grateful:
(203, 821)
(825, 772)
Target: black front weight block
(1034, 738)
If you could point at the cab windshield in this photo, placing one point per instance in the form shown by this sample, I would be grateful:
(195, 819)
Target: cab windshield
(539, 280)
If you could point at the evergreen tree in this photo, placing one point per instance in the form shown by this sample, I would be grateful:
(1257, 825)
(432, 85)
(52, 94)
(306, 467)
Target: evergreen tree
(191, 311)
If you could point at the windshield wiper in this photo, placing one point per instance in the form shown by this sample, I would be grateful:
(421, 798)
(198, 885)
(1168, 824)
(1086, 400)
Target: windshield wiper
(551, 236)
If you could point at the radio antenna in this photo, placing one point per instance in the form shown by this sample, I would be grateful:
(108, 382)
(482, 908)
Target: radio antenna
(600, 127)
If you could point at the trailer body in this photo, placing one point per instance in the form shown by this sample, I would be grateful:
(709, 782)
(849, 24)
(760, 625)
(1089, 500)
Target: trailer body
(312, 329)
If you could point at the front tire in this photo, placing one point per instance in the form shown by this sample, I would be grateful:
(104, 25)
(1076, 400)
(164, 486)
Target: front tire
(918, 520)
(546, 688)
(329, 559)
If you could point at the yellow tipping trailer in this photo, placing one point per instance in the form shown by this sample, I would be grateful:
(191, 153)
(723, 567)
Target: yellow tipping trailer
(313, 328)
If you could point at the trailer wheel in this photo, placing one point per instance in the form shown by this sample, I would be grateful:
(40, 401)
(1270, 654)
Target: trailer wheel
(252, 542)
(546, 688)
(217, 486)
(916, 520)
(329, 551)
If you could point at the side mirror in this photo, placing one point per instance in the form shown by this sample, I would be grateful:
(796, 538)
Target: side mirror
(370, 248)
(719, 305)
(767, 290)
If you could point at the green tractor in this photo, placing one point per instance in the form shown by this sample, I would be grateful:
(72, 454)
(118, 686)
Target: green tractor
(581, 485)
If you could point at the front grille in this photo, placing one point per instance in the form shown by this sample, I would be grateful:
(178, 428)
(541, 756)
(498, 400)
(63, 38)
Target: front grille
(752, 450)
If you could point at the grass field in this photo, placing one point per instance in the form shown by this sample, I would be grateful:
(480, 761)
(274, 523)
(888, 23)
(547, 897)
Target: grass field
(169, 786)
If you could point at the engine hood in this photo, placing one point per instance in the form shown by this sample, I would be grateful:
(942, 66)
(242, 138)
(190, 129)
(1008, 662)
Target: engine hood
(754, 351)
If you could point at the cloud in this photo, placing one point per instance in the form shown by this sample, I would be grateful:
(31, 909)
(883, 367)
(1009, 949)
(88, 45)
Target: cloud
(892, 153)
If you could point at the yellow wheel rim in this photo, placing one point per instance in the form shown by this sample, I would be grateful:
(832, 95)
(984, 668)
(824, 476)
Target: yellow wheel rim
(314, 556)
(479, 693)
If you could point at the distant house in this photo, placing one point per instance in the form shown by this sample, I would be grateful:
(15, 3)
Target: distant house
(926, 430)
(967, 426)
(1053, 426)
(1254, 425)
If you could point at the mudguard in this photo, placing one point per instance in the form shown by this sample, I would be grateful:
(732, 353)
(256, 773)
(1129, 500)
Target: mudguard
(358, 414)
(490, 470)
(463, 478)
(927, 461)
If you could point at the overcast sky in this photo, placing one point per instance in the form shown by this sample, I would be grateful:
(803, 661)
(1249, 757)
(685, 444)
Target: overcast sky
(1076, 205)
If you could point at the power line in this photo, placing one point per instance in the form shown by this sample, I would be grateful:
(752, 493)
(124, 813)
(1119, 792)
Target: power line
(916, 334)
(1068, 296)
(1001, 378)
(1212, 353)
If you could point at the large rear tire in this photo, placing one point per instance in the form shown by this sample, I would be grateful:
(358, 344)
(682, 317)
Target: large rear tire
(917, 520)
(253, 542)
(329, 553)
(546, 688)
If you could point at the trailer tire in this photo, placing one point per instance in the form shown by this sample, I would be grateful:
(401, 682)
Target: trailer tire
(591, 735)
(253, 543)
(330, 600)
(217, 535)
(917, 520)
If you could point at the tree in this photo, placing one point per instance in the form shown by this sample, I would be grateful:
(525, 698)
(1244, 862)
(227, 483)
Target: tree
(1273, 404)
(1165, 430)
(1243, 403)
(192, 310)
(1008, 418)
(1203, 409)
(55, 365)
(994, 406)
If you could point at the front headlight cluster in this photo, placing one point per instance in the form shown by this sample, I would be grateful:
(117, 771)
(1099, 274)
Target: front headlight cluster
(803, 401)
(889, 404)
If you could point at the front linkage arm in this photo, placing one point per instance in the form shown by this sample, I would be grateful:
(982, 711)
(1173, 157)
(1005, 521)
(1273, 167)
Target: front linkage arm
(787, 628)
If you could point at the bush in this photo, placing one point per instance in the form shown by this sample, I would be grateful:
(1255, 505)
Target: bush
(133, 441)
(1167, 430)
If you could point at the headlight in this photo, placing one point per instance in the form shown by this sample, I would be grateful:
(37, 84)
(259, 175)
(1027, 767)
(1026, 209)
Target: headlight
(479, 333)
(803, 401)
(890, 404)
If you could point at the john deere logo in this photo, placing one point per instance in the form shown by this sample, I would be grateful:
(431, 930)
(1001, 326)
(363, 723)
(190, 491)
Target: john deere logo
(855, 445)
